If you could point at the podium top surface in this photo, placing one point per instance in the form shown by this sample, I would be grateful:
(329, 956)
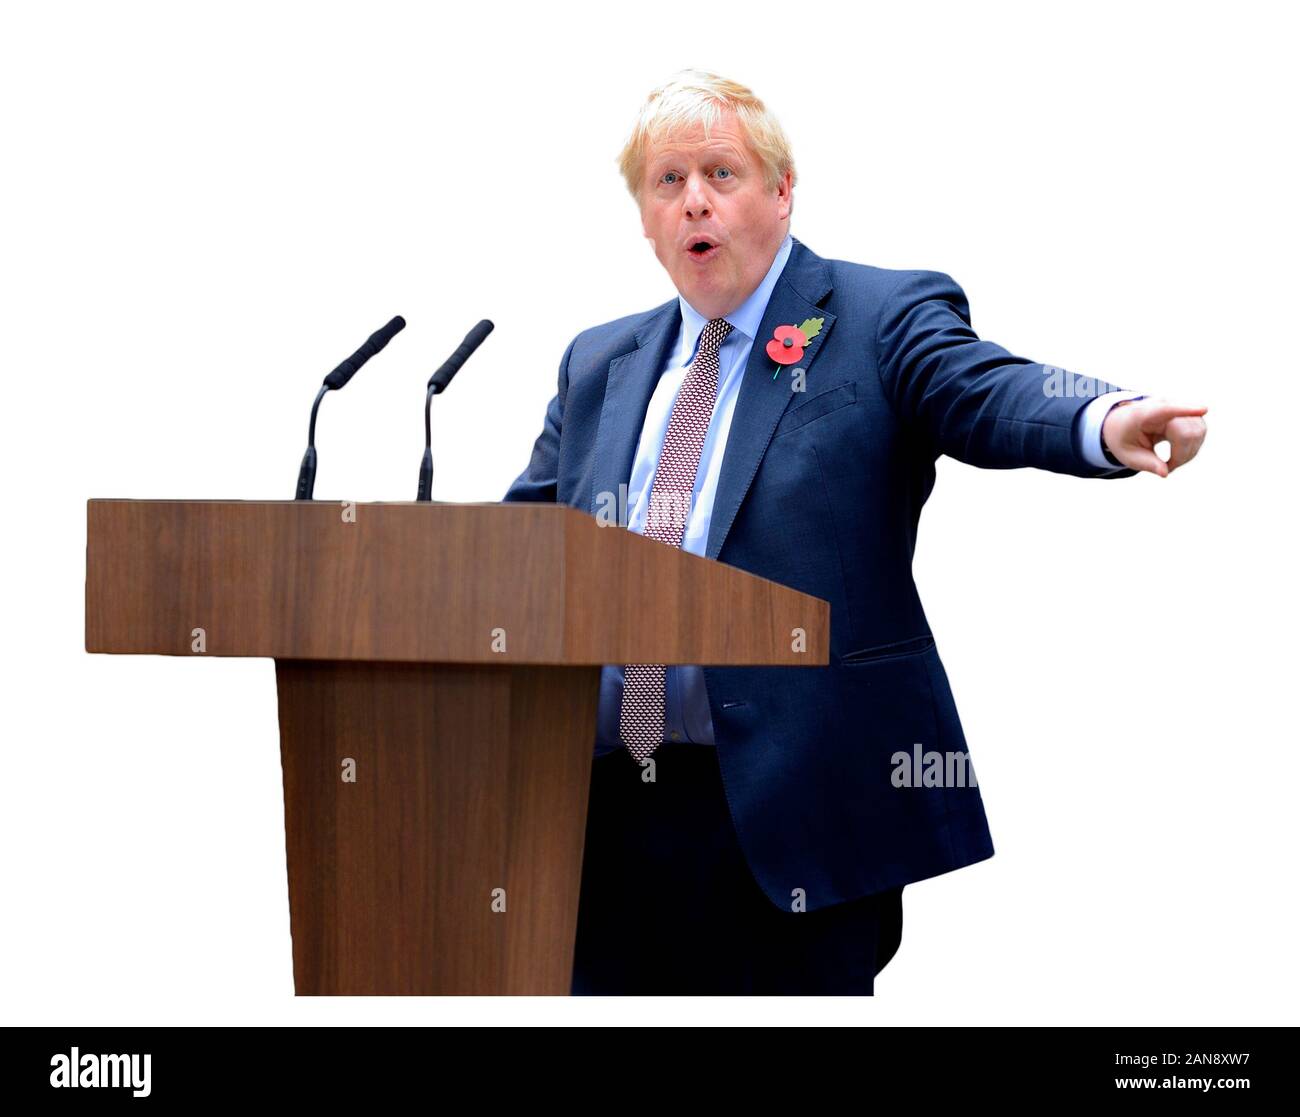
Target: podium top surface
(420, 582)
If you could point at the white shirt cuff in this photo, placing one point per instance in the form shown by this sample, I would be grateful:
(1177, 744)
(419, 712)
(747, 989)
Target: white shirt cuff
(1090, 434)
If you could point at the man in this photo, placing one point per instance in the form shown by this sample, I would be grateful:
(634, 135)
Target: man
(748, 830)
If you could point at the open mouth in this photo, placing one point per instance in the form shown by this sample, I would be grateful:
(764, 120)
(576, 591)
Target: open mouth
(702, 250)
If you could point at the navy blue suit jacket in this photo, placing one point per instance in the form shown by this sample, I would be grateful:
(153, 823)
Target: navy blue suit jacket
(822, 491)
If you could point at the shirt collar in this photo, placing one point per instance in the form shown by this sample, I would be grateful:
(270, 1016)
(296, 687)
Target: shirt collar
(747, 317)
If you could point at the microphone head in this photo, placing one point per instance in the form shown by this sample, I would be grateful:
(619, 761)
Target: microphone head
(373, 344)
(440, 379)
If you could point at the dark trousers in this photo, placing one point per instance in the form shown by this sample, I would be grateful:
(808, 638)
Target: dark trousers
(669, 906)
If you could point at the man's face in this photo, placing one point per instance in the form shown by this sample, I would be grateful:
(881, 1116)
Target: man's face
(697, 190)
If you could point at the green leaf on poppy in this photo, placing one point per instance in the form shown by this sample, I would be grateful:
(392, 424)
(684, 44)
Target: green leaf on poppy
(811, 327)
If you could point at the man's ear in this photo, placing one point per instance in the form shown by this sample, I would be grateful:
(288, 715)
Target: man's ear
(785, 195)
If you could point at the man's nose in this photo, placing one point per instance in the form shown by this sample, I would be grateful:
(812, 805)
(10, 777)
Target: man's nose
(696, 200)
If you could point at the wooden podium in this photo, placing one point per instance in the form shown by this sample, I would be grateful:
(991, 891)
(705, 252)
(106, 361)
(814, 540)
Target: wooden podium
(437, 667)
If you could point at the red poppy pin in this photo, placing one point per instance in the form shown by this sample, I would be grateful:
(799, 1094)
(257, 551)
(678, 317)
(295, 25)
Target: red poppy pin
(788, 342)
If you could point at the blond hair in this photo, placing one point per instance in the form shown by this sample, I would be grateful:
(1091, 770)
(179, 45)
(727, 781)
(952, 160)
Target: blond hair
(696, 97)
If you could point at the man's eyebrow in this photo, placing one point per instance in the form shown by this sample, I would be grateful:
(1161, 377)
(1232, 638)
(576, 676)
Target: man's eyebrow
(723, 154)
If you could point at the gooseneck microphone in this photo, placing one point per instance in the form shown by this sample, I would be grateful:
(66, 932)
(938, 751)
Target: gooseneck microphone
(437, 385)
(335, 380)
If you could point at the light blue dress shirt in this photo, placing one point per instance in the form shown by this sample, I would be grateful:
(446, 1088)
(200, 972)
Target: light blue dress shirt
(687, 716)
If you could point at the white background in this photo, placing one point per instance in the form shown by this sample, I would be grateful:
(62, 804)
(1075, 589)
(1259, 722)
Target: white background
(205, 209)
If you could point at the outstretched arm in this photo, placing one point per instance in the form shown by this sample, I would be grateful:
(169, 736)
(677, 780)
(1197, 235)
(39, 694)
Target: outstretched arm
(981, 404)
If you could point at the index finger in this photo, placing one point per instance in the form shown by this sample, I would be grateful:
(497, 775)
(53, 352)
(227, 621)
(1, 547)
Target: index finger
(1166, 411)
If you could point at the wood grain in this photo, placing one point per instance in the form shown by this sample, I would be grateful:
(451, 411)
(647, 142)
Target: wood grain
(423, 583)
(468, 780)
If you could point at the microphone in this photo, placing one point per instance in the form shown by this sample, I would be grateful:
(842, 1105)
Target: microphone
(437, 385)
(335, 380)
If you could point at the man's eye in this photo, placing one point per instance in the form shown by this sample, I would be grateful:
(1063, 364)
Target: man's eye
(667, 176)
(725, 170)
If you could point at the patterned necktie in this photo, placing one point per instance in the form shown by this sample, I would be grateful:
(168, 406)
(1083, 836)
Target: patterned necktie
(641, 716)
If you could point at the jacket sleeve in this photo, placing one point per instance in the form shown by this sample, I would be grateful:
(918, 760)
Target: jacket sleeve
(538, 482)
(972, 399)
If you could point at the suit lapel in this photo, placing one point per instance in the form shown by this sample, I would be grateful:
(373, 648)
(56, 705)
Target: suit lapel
(805, 282)
(629, 385)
